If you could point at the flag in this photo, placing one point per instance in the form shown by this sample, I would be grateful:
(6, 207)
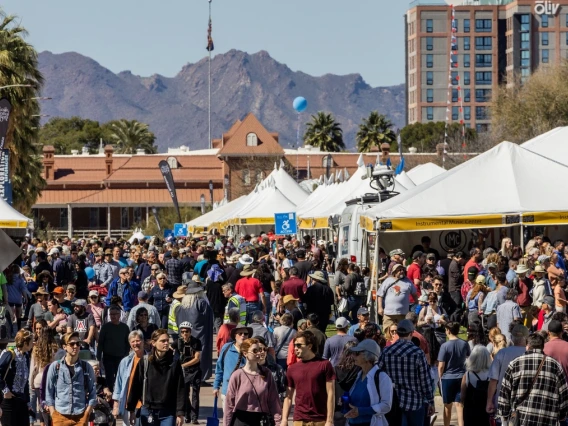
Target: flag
(210, 46)
(169, 179)
(400, 166)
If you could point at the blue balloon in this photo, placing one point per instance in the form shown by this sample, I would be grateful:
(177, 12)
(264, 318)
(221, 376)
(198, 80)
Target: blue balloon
(300, 104)
(90, 272)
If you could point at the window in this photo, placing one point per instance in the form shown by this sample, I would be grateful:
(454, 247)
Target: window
(455, 61)
(544, 21)
(481, 128)
(483, 43)
(526, 40)
(525, 23)
(63, 217)
(94, 217)
(430, 95)
(429, 26)
(467, 95)
(137, 213)
(483, 25)
(525, 58)
(483, 61)
(483, 77)
(246, 177)
(466, 78)
(429, 43)
(429, 113)
(466, 43)
(566, 37)
(466, 60)
(172, 162)
(466, 25)
(567, 19)
(429, 78)
(124, 219)
(252, 139)
(455, 78)
(455, 96)
(325, 160)
(482, 95)
(545, 56)
(467, 113)
(455, 113)
(544, 38)
(456, 25)
(430, 60)
(481, 113)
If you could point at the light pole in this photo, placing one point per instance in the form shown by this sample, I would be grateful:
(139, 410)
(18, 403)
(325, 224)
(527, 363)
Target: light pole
(226, 182)
(202, 204)
(211, 192)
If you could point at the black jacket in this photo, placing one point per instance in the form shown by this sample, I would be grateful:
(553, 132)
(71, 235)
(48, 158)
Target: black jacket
(164, 387)
(8, 371)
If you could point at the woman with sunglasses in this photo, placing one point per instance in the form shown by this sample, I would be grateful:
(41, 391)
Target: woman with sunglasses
(161, 297)
(143, 324)
(96, 307)
(252, 395)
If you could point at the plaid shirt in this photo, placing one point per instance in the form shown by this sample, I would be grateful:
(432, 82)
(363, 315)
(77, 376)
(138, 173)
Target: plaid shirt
(410, 374)
(547, 402)
(174, 270)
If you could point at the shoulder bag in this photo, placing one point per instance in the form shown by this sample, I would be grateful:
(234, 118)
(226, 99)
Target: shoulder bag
(267, 418)
(514, 419)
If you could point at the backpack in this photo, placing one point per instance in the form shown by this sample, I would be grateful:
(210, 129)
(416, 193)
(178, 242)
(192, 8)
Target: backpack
(360, 287)
(394, 416)
(476, 397)
(86, 376)
(4, 332)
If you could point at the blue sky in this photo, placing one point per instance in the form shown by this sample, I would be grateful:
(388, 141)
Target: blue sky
(149, 37)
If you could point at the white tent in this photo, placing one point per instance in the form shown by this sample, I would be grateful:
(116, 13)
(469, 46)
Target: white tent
(552, 144)
(467, 196)
(214, 216)
(285, 183)
(405, 180)
(11, 218)
(424, 172)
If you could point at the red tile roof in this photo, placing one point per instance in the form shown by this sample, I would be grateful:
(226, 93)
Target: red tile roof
(236, 144)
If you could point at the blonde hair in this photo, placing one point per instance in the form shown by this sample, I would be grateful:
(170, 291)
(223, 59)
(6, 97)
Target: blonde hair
(504, 250)
(493, 332)
(190, 299)
(499, 342)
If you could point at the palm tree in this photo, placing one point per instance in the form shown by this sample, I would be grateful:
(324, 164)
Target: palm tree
(324, 132)
(373, 131)
(130, 135)
(19, 65)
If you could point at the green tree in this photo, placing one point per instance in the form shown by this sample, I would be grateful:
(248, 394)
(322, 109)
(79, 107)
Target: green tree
(168, 217)
(130, 135)
(19, 65)
(324, 132)
(373, 131)
(426, 136)
(66, 134)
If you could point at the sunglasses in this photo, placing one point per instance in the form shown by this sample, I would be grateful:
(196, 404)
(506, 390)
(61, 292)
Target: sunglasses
(73, 344)
(299, 345)
(258, 351)
(393, 331)
(242, 333)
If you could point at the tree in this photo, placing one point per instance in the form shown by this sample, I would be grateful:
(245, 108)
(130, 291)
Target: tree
(130, 135)
(530, 108)
(324, 132)
(373, 131)
(426, 136)
(66, 134)
(19, 65)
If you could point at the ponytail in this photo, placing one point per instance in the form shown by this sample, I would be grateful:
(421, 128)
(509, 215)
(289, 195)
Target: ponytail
(239, 360)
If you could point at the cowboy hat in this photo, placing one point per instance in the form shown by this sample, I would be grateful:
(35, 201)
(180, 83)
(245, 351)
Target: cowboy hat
(247, 271)
(180, 292)
(238, 328)
(246, 259)
(193, 288)
(539, 269)
(41, 291)
(318, 276)
(288, 298)
(522, 269)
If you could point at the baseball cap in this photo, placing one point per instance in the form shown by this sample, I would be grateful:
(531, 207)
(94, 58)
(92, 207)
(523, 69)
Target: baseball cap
(549, 300)
(53, 251)
(93, 293)
(480, 279)
(395, 252)
(472, 270)
(417, 254)
(288, 298)
(80, 302)
(210, 244)
(395, 267)
(71, 287)
(342, 323)
(362, 311)
(58, 290)
(367, 345)
(405, 327)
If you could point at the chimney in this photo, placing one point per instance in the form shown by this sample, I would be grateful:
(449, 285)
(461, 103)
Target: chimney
(49, 162)
(74, 152)
(108, 159)
(85, 150)
(140, 151)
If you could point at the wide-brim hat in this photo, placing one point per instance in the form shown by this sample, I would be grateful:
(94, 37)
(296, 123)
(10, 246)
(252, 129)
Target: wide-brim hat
(522, 269)
(539, 269)
(193, 288)
(240, 328)
(180, 292)
(41, 291)
(318, 276)
(247, 271)
(246, 259)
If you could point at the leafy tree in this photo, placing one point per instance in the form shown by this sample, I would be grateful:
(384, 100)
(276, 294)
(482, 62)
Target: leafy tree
(373, 131)
(526, 110)
(19, 65)
(324, 132)
(66, 134)
(130, 135)
(426, 136)
(168, 217)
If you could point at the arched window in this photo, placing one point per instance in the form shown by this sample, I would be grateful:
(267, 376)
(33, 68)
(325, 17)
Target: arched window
(246, 177)
(259, 176)
(326, 159)
(172, 161)
(252, 139)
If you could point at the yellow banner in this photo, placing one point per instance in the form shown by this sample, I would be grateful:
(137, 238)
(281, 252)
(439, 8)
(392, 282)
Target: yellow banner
(367, 223)
(548, 218)
(448, 222)
(13, 224)
(257, 221)
(314, 223)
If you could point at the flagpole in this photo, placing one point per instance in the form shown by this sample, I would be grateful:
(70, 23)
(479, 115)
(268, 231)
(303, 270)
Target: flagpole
(209, 116)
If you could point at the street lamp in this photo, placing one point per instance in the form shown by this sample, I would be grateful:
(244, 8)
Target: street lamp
(226, 182)
(211, 191)
(202, 204)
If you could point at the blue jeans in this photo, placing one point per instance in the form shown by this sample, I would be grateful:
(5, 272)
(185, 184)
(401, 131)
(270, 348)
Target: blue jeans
(353, 305)
(251, 308)
(413, 418)
(160, 417)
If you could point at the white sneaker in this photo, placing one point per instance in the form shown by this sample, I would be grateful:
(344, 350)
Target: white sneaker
(433, 418)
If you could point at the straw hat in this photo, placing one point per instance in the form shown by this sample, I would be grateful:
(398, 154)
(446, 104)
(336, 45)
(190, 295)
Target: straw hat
(180, 292)
(247, 271)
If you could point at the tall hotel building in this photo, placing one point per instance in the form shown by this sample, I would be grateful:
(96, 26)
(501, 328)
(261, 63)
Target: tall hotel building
(495, 41)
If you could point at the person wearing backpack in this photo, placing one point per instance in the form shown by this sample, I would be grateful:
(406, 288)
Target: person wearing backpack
(70, 391)
(354, 289)
(474, 386)
(14, 373)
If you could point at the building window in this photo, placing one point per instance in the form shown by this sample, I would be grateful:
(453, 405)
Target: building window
(525, 58)
(429, 26)
(466, 78)
(429, 113)
(259, 176)
(545, 56)
(430, 95)
(455, 113)
(481, 113)
(430, 60)
(466, 25)
(172, 162)
(467, 95)
(252, 139)
(483, 43)
(137, 213)
(483, 25)
(526, 40)
(544, 21)
(567, 19)
(467, 113)
(455, 78)
(429, 78)
(454, 61)
(466, 60)
(94, 217)
(525, 22)
(483, 61)
(567, 37)
(482, 95)
(246, 177)
(429, 43)
(544, 39)
(483, 78)
(124, 219)
(325, 160)
(63, 217)
(466, 43)
(482, 128)
(455, 96)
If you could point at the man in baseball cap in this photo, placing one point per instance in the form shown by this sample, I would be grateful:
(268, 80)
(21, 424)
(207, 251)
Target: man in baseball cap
(334, 346)
(190, 354)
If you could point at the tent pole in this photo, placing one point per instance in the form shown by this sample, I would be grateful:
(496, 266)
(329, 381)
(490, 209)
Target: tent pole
(375, 272)
(522, 239)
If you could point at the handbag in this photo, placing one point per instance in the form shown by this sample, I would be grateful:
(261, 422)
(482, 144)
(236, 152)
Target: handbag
(514, 419)
(266, 419)
(342, 307)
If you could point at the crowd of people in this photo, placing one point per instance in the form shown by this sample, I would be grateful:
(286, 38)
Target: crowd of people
(133, 326)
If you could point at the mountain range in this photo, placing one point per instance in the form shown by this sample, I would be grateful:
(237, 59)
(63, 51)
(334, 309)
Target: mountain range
(176, 108)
